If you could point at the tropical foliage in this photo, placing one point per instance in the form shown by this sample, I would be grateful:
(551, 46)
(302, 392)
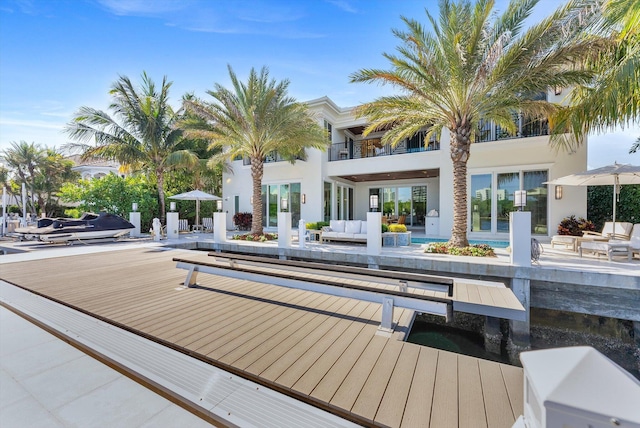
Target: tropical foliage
(479, 250)
(612, 97)
(575, 226)
(113, 194)
(600, 204)
(142, 134)
(253, 120)
(42, 170)
(475, 66)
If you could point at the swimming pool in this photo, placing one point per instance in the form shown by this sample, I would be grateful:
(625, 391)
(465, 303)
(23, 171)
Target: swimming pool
(494, 244)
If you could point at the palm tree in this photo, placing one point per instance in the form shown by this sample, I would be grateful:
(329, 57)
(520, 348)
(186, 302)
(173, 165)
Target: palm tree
(253, 120)
(612, 98)
(141, 134)
(474, 66)
(25, 160)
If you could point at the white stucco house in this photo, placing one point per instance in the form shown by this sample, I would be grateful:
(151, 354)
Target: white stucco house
(94, 168)
(415, 179)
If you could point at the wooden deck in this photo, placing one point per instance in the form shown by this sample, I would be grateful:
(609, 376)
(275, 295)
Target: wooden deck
(317, 348)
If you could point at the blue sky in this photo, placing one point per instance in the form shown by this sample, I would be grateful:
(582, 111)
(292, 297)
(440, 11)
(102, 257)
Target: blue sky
(58, 55)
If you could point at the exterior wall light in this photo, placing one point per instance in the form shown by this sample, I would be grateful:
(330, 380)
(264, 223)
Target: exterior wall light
(520, 199)
(284, 204)
(303, 198)
(134, 207)
(558, 192)
(373, 203)
(172, 206)
(219, 205)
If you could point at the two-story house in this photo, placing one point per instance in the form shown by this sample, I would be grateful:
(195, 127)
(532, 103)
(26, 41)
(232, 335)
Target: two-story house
(415, 178)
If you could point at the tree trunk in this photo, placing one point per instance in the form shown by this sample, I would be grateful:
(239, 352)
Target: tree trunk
(257, 171)
(160, 177)
(460, 145)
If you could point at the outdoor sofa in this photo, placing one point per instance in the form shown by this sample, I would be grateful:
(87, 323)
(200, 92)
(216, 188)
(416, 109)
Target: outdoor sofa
(345, 230)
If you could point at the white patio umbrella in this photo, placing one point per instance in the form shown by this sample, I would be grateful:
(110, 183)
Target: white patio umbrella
(611, 175)
(196, 195)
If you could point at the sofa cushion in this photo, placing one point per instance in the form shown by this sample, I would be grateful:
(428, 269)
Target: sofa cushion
(360, 236)
(329, 234)
(363, 227)
(352, 226)
(337, 225)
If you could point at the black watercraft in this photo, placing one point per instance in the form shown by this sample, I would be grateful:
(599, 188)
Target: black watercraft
(89, 226)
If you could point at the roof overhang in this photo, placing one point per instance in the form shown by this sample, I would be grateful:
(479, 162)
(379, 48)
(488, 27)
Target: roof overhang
(393, 175)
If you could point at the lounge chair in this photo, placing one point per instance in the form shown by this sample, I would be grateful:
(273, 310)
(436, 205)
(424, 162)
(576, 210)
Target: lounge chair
(610, 248)
(617, 246)
(207, 224)
(183, 225)
(623, 231)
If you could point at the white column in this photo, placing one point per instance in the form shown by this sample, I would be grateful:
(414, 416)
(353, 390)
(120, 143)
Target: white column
(284, 230)
(302, 232)
(374, 233)
(520, 238)
(220, 227)
(157, 229)
(134, 219)
(173, 225)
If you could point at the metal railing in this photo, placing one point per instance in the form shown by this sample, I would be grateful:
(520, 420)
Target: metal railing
(369, 148)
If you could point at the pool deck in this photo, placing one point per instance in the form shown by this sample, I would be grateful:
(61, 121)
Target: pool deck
(320, 350)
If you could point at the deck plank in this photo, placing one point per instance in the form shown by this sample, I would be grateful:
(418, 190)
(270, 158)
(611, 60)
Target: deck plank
(445, 395)
(499, 412)
(310, 343)
(470, 394)
(395, 397)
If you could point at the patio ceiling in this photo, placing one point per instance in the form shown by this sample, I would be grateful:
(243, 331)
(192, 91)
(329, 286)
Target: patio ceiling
(393, 175)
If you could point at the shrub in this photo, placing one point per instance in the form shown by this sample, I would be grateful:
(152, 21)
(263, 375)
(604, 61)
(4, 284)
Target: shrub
(255, 237)
(243, 220)
(479, 250)
(385, 228)
(312, 226)
(574, 226)
(398, 228)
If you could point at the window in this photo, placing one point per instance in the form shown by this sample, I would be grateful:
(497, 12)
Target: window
(481, 197)
(491, 203)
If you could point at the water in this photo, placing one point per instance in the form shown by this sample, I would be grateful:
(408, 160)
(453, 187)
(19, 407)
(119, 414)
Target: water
(493, 244)
(454, 340)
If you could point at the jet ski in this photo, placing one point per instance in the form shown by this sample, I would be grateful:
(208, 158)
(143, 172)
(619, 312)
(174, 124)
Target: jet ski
(88, 227)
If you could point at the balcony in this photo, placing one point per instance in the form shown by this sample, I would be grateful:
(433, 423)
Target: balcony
(269, 158)
(489, 131)
(373, 147)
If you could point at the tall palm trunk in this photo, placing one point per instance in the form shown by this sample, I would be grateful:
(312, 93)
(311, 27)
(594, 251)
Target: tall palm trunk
(160, 175)
(257, 170)
(460, 151)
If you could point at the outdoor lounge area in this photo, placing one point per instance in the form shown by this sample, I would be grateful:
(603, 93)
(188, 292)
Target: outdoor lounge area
(619, 239)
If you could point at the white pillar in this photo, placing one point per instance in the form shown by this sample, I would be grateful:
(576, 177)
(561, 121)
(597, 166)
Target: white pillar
(302, 232)
(4, 210)
(520, 238)
(284, 230)
(24, 205)
(173, 227)
(157, 229)
(220, 227)
(134, 219)
(374, 233)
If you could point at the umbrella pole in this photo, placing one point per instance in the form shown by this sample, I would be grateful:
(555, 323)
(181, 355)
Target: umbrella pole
(197, 212)
(615, 192)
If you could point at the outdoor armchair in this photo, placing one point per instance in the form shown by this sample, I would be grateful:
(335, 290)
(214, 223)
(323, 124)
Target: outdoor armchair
(622, 231)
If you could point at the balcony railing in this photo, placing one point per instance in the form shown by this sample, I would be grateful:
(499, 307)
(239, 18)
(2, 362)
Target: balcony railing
(373, 147)
(271, 157)
(488, 131)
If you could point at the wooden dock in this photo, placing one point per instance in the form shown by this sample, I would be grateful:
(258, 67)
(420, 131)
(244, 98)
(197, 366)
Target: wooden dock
(317, 348)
